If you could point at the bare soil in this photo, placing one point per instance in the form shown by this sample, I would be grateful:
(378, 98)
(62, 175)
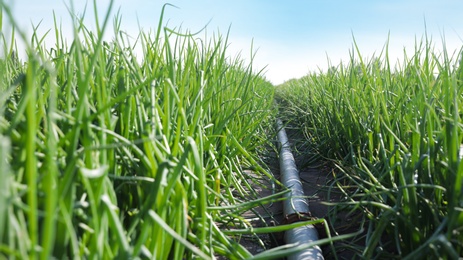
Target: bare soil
(272, 214)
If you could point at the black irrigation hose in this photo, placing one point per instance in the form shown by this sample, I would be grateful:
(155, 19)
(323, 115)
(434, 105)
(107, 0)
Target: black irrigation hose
(295, 204)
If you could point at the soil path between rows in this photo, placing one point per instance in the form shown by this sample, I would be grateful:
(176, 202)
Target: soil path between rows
(315, 181)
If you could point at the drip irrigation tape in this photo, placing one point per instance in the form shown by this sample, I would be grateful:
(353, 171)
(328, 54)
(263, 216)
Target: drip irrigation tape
(295, 202)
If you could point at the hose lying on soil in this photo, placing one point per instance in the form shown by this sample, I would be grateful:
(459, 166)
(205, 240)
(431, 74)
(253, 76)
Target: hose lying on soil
(295, 204)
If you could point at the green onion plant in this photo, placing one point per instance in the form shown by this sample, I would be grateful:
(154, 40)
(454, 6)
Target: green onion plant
(111, 153)
(395, 137)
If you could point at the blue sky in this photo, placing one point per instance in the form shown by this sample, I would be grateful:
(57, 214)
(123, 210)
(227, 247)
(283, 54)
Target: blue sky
(291, 37)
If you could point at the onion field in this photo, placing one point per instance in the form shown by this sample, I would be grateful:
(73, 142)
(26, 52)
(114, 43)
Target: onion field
(108, 152)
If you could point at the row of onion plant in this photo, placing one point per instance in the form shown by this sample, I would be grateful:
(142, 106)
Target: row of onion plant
(394, 134)
(108, 152)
